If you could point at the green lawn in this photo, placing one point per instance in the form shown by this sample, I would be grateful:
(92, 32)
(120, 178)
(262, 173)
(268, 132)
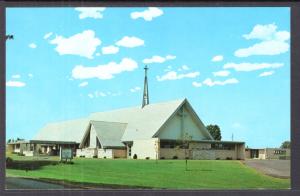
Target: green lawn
(201, 174)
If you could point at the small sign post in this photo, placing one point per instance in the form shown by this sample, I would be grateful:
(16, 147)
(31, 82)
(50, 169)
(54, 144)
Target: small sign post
(66, 154)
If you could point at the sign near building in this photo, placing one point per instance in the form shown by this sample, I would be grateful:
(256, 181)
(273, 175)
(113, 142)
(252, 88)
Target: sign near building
(66, 154)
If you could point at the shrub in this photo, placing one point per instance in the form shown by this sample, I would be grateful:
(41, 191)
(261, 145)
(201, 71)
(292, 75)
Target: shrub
(95, 156)
(175, 157)
(104, 157)
(9, 162)
(217, 158)
(147, 158)
(228, 158)
(162, 157)
(134, 156)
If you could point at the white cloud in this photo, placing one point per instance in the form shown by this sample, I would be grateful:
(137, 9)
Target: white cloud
(169, 68)
(236, 125)
(135, 89)
(222, 73)
(172, 75)
(170, 57)
(32, 45)
(130, 42)
(110, 49)
(97, 94)
(185, 67)
(30, 75)
(272, 47)
(251, 66)
(217, 58)
(116, 94)
(69, 78)
(210, 82)
(16, 76)
(90, 12)
(98, 54)
(104, 72)
(262, 32)
(197, 84)
(148, 14)
(47, 35)
(15, 84)
(83, 44)
(83, 84)
(158, 59)
(266, 73)
(273, 42)
(100, 94)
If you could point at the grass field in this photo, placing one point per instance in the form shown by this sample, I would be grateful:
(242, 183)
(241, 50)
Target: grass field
(171, 174)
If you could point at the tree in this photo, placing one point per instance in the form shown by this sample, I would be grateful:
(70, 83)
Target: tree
(9, 37)
(185, 144)
(8, 141)
(286, 144)
(214, 131)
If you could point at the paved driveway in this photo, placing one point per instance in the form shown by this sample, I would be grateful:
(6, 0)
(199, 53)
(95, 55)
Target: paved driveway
(276, 168)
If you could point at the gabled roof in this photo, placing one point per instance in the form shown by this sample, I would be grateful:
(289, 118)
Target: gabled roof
(108, 133)
(142, 123)
(71, 131)
(196, 118)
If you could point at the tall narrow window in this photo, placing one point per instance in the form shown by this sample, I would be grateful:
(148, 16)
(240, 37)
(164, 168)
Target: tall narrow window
(98, 145)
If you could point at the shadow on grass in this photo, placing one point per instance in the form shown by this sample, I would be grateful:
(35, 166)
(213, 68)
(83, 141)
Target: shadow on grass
(29, 165)
(90, 185)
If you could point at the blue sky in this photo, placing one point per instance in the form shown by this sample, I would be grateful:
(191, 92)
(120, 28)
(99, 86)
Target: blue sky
(232, 64)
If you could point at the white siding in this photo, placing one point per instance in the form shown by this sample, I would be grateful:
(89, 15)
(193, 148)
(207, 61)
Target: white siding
(107, 153)
(93, 137)
(172, 130)
(144, 148)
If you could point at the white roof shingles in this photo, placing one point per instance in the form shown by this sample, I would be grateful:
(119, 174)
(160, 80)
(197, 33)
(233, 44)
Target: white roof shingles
(135, 122)
(142, 123)
(109, 133)
(71, 130)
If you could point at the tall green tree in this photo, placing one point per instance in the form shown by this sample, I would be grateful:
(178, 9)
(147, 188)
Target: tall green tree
(214, 131)
(286, 144)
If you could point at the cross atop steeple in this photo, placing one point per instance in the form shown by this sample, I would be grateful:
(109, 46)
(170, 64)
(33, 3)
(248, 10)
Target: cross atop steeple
(145, 94)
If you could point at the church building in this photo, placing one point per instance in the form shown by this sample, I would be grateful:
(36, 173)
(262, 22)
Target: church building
(167, 130)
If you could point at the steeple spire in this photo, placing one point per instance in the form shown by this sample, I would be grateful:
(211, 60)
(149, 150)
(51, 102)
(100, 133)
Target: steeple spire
(145, 94)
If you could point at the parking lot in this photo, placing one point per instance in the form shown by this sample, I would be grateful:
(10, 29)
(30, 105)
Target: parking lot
(275, 168)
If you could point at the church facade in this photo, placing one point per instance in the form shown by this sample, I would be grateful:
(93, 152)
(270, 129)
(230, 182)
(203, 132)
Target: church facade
(167, 130)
